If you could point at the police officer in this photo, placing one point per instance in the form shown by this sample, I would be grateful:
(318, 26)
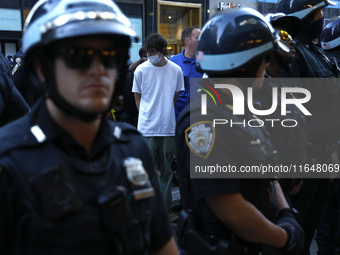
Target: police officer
(12, 104)
(18, 57)
(330, 39)
(286, 28)
(291, 142)
(311, 62)
(327, 236)
(330, 42)
(230, 214)
(71, 182)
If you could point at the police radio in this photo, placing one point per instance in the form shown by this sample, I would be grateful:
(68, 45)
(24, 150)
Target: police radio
(115, 209)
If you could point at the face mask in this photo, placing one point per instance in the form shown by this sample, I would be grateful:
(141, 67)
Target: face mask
(317, 27)
(154, 59)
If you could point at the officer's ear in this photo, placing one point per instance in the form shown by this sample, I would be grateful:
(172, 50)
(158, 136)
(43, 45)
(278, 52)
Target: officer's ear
(38, 70)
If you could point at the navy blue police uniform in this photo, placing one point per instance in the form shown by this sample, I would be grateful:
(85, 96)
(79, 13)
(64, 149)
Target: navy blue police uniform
(12, 104)
(30, 92)
(324, 124)
(221, 145)
(327, 238)
(323, 129)
(289, 142)
(235, 146)
(57, 199)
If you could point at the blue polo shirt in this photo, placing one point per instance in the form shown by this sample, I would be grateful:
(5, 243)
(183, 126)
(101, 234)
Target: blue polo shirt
(188, 66)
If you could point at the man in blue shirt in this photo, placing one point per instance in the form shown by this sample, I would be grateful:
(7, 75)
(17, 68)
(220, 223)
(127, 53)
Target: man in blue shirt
(186, 60)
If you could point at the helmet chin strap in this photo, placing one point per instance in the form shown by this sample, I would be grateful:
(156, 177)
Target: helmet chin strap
(72, 110)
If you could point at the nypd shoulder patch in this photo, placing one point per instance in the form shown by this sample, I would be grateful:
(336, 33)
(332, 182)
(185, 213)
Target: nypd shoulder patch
(200, 138)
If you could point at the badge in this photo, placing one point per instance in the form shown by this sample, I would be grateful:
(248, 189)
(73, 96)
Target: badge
(15, 68)
(200, 138)
(135, 171)
(117, 132)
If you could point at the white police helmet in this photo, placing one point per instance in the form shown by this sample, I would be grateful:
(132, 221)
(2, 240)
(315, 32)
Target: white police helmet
(53, 20)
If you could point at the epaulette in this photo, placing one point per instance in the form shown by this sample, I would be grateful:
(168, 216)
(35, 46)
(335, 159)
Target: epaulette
(123, 132)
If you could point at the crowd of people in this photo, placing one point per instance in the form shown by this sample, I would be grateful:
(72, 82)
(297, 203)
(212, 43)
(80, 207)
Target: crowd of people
(76, 180)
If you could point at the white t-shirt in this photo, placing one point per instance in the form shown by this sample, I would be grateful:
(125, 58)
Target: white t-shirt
(157, 86)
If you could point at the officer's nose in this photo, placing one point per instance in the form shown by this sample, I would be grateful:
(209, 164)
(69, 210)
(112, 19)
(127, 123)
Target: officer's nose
(97, 65)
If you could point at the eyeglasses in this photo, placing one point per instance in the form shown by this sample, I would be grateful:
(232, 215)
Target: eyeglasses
(82, 58)
(284, 35)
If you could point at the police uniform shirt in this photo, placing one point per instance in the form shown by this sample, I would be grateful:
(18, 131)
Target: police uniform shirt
(232, 145)
(29, 226)
(289, 142)
(309, 62)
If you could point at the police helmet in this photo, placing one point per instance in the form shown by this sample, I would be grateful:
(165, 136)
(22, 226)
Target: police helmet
(51, 21)
(302, 8)
(231, 40)
(330, 36)
(291, 24)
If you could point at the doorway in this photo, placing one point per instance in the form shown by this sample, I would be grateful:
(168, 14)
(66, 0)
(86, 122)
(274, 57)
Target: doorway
(172, 18)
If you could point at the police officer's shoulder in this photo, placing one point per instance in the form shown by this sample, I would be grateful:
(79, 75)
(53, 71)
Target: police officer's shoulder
(16, 134)
(123, 131)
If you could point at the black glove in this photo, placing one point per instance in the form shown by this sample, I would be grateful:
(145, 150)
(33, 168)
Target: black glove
(289, 222)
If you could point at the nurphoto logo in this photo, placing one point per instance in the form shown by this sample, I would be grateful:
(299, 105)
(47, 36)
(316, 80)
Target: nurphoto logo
(239, 101)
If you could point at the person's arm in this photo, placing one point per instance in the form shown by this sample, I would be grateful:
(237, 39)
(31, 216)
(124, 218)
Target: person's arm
(175, 97)
(246, 220)
(137, 99)
(133, 66)
(179, 85)
(169, 248)
(280, 197)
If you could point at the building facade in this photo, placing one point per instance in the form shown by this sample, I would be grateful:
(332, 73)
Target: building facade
(12, 16)
(147, 16)
(168, 18)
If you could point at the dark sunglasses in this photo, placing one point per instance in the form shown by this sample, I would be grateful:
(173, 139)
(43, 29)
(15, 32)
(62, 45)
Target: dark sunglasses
(284, 35)
(82, 58)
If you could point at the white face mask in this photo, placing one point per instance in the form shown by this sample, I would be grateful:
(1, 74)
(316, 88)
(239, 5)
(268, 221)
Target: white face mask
(154, 59)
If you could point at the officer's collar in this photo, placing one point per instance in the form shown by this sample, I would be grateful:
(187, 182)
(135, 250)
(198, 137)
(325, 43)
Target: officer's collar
(44, 128)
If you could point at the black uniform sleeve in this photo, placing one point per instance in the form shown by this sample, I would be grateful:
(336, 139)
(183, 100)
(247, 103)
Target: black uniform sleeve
(15, 106)
(203, 187)
(7, 194)
(296, 69)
